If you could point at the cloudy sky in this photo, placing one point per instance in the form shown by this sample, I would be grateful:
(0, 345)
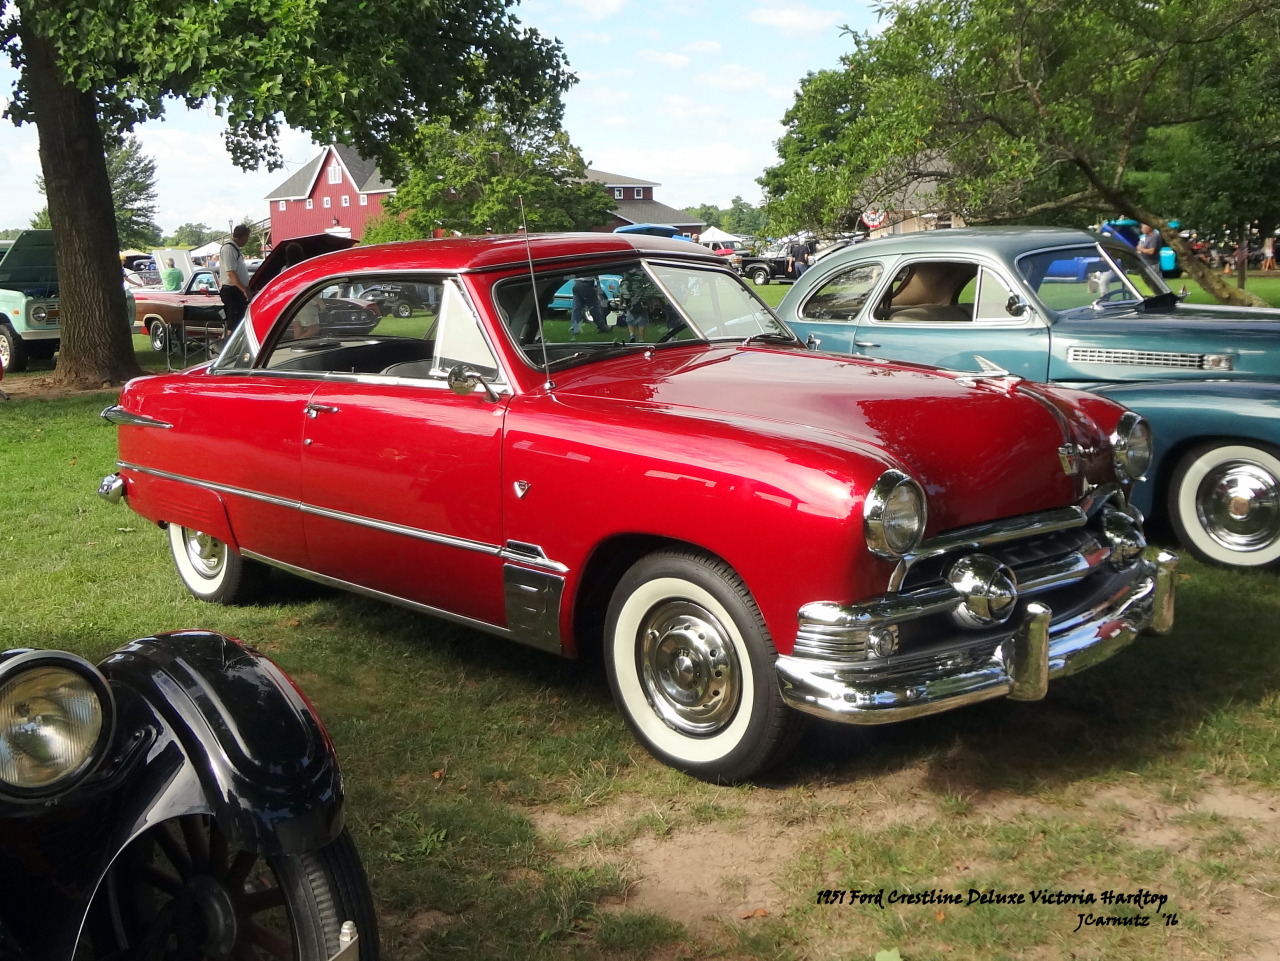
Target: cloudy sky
(688, 93)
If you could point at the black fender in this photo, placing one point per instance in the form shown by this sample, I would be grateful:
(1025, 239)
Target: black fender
(263, 758)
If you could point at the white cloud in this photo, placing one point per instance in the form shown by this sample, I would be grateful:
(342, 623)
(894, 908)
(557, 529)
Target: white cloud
(703, 48)
(594, 9)
(597, 37)
(672, 61)
(733, 77)
(797, 20)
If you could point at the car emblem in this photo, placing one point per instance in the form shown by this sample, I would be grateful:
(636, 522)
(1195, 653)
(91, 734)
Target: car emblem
(522, 488)
(1069, 456)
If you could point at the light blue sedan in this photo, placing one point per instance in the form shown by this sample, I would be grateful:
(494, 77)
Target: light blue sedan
(1073, 308)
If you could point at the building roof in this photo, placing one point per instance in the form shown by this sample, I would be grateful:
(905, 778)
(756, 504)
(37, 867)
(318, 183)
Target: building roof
(363, 173)
(652, 212)
(617, 180)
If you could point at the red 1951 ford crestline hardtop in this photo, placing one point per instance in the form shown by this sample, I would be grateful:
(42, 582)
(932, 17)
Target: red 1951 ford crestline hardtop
(752, 530)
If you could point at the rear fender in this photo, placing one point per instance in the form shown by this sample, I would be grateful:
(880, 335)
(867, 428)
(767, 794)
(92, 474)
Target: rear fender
(169, 501)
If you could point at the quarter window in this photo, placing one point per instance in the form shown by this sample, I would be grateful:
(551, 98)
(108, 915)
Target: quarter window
(844, 295)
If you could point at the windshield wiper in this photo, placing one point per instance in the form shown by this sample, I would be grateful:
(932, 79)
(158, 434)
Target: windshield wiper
(772, 337)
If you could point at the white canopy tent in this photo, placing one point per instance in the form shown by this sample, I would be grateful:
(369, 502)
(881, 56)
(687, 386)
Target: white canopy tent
(715, 233)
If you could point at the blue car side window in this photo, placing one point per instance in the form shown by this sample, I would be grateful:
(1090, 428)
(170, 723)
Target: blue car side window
(843, 296)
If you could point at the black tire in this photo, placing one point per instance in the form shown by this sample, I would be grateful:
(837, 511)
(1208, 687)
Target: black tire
(211, 570)
(41, 349)
(13, 352)
(180, 891)
(760, 276)
(691, 666)
(404, 309)
(1224, 504)
(159, 334)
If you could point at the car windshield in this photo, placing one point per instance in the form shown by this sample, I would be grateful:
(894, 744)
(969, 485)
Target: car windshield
(569, 316)
(1090, 277)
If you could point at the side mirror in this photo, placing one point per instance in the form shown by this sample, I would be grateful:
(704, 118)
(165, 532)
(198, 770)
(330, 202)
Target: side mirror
(812, 342)
(463, 380)
(1016, 306)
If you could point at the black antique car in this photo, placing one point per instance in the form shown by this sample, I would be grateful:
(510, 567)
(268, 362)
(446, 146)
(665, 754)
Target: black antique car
(179, 800)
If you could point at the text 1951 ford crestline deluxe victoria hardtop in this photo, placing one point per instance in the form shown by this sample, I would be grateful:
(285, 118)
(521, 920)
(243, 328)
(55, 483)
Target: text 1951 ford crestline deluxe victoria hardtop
(752, 530)
(1073, 308)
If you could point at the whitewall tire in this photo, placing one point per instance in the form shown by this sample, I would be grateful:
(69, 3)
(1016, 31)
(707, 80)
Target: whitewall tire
(691, 666)
(1224, 503)
(211, 570)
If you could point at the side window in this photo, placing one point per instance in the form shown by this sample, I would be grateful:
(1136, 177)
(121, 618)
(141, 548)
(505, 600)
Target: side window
(373, 326)
(844, 295)
(993, 298)
(930, 292)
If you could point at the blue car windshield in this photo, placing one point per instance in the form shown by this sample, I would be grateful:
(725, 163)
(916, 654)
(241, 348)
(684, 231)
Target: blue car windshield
(1090, 277)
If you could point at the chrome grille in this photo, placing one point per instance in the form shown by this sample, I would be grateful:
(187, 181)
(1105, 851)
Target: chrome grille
(1135, 358)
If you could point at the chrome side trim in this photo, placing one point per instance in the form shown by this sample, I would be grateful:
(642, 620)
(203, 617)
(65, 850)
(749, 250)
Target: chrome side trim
(121, 417)
(1019, 664)
(531, 554)
(359, 520)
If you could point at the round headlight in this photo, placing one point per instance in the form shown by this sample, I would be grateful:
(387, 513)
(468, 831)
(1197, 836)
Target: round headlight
(39, 314)
(55, 722)
(894, 515)
(1131, 445)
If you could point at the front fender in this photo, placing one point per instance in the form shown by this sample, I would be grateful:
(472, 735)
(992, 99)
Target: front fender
(263, 758)
(1184, 413)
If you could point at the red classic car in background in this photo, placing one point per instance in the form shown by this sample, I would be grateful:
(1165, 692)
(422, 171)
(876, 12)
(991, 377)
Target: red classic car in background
(170, 318)
(754, 531)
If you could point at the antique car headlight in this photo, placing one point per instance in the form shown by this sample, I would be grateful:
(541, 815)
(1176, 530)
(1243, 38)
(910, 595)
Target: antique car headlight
(894, 515)
(56, 715)
(39, 314)
(1131, 444)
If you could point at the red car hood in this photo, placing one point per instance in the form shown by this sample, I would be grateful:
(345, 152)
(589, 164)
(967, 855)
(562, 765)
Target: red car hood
(981, 451)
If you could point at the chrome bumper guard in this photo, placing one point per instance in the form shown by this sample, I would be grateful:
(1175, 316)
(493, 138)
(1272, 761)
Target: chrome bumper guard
(1020, 666)
(112, 489)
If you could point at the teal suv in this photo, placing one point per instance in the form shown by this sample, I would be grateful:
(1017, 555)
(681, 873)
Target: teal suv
(1080, 310)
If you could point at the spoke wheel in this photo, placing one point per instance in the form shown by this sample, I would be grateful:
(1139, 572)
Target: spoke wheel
(211, 570)
(181, 892)
(159, 336)
(690, 664)
(1224, 501)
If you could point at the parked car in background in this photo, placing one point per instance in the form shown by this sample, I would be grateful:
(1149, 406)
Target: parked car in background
(402, 299)
(1073, 308)
(751, 531)
(29, 314)
(179, 799)
(170, 318)
(769, 264)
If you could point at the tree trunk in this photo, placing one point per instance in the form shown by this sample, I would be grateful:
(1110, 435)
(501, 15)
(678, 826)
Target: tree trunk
(97, 346)
(1206, 276)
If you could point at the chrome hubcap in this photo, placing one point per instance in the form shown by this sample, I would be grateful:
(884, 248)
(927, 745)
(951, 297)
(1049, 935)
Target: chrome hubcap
(206, 553)
(1239, 506)
(688, 668)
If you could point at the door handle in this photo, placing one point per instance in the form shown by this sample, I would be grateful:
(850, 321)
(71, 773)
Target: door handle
(864, 345)
(312, 410)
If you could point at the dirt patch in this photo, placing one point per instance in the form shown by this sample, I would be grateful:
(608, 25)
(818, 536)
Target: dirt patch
(42, 386)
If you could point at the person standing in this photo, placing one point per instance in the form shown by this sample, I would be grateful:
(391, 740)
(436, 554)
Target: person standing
(1149, 245)
(798, 258)
(235, 276)
(172, 276)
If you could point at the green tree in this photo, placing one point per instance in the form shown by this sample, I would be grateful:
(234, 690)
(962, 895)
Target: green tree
(1022, 110)
(744, 219)
(40, 220)
(709, 214)
(133, 192)
(193, 235)
(475, 179)
(346, 70)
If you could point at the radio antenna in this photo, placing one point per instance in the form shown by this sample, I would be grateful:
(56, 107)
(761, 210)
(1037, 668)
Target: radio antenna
(533, 290)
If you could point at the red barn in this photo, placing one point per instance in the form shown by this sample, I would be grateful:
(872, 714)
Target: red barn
(338, 191)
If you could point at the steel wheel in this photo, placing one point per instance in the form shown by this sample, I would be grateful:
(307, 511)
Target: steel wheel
(180, 891)
(760, 276)
(211, 570)
(159, 335)
(1224, 502)
(691, 666)
(404, 309)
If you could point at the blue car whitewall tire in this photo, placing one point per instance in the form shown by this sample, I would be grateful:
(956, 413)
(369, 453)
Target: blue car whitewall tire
(1224, 503)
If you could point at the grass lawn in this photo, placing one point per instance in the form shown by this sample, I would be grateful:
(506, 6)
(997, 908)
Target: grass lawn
(504, 811)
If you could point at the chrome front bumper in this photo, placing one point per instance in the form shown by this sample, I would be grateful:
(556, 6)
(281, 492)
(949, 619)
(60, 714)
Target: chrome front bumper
(1021, 665)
